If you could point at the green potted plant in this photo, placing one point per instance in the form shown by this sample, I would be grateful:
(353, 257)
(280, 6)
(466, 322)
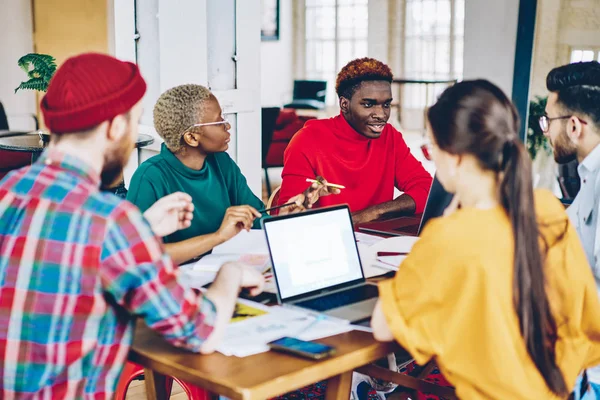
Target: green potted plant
(39, 68)
(538, 146)
(536, 141)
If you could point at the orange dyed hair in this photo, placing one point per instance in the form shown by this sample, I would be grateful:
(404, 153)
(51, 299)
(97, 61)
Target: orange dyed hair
(360, 70)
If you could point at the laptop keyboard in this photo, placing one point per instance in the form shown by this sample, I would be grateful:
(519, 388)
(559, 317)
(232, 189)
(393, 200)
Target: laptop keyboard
(339, 299)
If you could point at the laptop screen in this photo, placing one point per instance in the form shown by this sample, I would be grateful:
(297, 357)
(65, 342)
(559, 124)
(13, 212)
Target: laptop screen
(313, 250)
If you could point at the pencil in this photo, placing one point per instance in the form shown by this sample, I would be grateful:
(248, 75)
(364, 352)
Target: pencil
(391, 253)
(266, 210)
(333, 185)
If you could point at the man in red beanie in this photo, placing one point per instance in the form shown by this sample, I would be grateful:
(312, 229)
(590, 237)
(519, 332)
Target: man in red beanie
(76, 263)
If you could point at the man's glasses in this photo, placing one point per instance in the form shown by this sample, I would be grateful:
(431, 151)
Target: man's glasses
(545, 121)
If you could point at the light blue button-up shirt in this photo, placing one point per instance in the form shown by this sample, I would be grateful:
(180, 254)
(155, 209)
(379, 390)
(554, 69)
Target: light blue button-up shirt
(584, 212)
(585, 216)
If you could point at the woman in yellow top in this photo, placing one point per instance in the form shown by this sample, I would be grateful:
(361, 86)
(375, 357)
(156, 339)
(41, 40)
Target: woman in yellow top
(499, 291)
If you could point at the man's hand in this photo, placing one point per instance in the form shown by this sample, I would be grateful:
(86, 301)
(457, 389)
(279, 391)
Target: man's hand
(250, 278)
(237, 218)
(309, 197)
(170, 214)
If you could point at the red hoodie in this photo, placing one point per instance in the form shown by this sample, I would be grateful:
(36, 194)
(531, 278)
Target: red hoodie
(368, 168)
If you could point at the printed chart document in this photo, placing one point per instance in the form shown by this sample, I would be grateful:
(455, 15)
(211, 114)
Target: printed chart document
(253, 325)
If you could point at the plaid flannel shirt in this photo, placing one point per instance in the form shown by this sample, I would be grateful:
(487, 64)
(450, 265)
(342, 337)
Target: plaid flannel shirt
(75, 265)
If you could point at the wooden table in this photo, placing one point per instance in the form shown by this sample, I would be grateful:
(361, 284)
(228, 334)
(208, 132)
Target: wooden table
(272, 374)
(260, 376)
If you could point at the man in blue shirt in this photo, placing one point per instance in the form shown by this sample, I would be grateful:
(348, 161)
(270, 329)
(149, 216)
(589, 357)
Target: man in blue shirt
(572, 125)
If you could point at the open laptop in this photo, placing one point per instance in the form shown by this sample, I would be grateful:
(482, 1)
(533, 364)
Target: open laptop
(316, 264)
(437, 201)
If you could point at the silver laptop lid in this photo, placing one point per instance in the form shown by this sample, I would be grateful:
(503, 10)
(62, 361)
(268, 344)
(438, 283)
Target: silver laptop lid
(313, 252)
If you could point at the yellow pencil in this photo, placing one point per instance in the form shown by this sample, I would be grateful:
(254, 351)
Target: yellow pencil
(333, 185)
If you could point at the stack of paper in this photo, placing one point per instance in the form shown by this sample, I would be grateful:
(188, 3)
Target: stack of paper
(374, 265)
(366, 239)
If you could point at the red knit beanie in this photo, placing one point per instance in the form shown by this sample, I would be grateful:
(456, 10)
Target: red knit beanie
(89, 89)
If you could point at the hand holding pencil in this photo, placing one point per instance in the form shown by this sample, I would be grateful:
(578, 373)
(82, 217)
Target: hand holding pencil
(319, 187)
(305, 200)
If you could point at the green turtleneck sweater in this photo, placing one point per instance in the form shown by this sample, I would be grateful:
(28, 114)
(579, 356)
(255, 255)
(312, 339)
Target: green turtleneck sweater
(217, 186)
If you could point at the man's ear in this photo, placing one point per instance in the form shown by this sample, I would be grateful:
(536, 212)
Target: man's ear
(192, 139)
(574, 129)
(344, 105)
(117, 128)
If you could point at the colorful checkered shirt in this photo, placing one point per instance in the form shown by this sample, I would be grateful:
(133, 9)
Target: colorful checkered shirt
(75, 265)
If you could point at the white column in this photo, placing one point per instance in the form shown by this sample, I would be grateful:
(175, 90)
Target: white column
(248, 84)
(183, 44)
(378, 39)
(490, 41)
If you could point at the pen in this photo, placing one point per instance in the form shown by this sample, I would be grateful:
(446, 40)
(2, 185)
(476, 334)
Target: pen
(266, 210)
(391, 253)
(333, 185)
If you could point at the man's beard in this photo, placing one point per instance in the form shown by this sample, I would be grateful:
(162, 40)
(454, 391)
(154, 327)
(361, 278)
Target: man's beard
(564, 150)
(114, 163)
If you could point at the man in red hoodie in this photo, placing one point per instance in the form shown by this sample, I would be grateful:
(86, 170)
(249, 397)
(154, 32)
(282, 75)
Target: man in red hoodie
(359, 150)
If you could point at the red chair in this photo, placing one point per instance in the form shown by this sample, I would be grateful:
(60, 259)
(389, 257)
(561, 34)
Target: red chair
(11, 160)
(278, 128)
(133, 371)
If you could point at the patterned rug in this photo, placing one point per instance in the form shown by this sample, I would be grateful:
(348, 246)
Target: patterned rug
(317, 391)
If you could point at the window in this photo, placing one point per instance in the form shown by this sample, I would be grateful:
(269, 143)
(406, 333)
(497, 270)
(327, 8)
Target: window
(336, 33)
(589, 54)
(433, 44)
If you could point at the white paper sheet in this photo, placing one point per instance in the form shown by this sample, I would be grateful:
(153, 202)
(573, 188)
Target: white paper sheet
(252, 242)
(396, 243)
(213, 262)
(373, 265)
(367, 239)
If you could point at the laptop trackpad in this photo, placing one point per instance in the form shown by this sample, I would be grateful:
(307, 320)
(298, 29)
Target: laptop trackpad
(355, 311)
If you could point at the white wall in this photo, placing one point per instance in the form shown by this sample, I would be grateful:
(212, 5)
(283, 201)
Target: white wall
(16, 41)
(490, 41)
(277, 78)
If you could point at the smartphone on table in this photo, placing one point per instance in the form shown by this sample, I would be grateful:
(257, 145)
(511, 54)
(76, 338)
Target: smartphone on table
(312, 350)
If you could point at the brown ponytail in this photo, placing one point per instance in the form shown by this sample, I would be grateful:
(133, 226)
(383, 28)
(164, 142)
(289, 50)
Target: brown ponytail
(476, 117)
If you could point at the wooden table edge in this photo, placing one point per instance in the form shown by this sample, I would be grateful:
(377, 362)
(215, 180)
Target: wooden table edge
(291, 381)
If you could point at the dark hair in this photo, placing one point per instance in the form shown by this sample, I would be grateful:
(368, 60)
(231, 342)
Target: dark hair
(578, 88)
(476, 117)
(358, 71)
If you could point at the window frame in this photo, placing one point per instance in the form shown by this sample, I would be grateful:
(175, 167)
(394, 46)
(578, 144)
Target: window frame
(310, 66)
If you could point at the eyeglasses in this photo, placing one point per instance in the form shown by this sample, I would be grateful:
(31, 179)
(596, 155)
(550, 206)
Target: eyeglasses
(224, 122)
(545, 121)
